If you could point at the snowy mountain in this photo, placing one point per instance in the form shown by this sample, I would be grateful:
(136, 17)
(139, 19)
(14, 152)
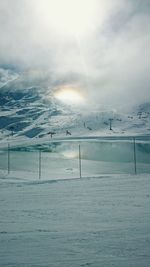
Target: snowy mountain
(30, 111)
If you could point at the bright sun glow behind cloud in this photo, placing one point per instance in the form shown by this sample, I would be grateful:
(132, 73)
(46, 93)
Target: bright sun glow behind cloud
(69, 95)
(69, 17)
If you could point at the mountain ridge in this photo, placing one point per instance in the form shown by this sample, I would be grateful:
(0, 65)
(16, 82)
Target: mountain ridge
(34, 112)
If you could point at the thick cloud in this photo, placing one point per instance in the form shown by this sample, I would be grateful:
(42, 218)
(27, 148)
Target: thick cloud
(110, 61)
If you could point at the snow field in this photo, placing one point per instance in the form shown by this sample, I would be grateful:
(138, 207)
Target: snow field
(94, 222)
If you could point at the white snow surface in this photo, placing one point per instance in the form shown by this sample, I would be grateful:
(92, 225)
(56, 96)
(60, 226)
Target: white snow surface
(62, 220)
(32, 113)
(103, 221)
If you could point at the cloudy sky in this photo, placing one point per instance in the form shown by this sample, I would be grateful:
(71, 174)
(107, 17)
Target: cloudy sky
(99, 46)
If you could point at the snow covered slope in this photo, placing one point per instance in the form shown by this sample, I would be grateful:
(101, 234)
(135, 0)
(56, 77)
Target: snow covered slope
(29, 111)
(77, 222)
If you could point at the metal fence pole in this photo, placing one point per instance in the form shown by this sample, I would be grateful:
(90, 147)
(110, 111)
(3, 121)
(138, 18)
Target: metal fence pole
(8, 158)
(40, 165)
(134, 146)
(80, 161)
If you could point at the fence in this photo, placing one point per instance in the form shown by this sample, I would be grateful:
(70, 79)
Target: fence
(75, 159)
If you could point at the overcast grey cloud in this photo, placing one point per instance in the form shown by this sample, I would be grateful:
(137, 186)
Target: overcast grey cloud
(110, 60)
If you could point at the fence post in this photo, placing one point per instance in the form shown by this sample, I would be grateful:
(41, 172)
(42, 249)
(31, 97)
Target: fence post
(40, 165)
(8, 158)
(134, 146)
(80, 161)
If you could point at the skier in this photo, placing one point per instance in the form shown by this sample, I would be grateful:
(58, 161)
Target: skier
(68, 133)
